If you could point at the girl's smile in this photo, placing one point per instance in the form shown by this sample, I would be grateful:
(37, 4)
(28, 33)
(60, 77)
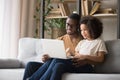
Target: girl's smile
(85, 32)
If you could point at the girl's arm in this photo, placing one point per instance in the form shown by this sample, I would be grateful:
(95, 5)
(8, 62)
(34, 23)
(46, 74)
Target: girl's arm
(89, 59)
(95, 59)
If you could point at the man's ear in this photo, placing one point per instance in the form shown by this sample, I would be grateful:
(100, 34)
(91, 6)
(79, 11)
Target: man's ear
(78, 28)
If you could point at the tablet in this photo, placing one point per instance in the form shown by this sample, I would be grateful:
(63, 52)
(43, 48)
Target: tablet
(54, 48)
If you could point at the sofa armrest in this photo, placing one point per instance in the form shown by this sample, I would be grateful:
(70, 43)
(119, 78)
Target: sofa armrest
(9, 63)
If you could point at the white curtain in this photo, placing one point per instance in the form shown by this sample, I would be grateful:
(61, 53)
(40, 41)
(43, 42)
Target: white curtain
(9, 28)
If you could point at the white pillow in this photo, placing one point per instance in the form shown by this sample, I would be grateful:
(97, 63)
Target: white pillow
(39, 49)
(26, 48)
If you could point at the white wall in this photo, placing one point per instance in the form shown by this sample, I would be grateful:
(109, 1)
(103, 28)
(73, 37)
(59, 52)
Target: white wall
(109, 28)
(109, 23)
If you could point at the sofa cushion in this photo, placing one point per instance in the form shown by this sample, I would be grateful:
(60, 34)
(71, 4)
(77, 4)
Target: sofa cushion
(10, 63)
(112, 59)
(90, 76)
(30, 49)
(12, 74)
(26, 50)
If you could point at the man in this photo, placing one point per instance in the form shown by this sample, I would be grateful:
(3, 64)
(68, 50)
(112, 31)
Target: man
(71, 39)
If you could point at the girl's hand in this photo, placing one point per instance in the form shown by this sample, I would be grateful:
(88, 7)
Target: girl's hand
(45, 57)
(79, 60)
(80, 56)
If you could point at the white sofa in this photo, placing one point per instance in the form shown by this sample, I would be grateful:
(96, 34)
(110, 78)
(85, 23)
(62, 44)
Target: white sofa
(30, 50)
(13, 69)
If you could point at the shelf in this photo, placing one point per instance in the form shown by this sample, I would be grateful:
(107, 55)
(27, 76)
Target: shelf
(51, 17)
(62, 11)
(65, 1)
(105, 15)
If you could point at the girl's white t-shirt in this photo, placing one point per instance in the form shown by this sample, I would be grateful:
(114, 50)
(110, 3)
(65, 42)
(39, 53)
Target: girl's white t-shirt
(90, 47)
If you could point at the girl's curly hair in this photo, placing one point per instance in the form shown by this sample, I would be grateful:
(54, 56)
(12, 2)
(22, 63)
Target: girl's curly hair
(94, 25)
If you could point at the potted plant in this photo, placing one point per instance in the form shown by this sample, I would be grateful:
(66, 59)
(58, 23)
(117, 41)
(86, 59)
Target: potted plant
(54, 27)
(37, 19)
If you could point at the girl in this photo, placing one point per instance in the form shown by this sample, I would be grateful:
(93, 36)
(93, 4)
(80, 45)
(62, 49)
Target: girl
(92, 48)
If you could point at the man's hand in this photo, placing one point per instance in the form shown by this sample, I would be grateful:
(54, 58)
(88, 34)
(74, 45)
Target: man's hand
(45, 57)
(69, 53)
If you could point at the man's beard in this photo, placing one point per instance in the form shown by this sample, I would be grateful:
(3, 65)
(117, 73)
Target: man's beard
(71, 33)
